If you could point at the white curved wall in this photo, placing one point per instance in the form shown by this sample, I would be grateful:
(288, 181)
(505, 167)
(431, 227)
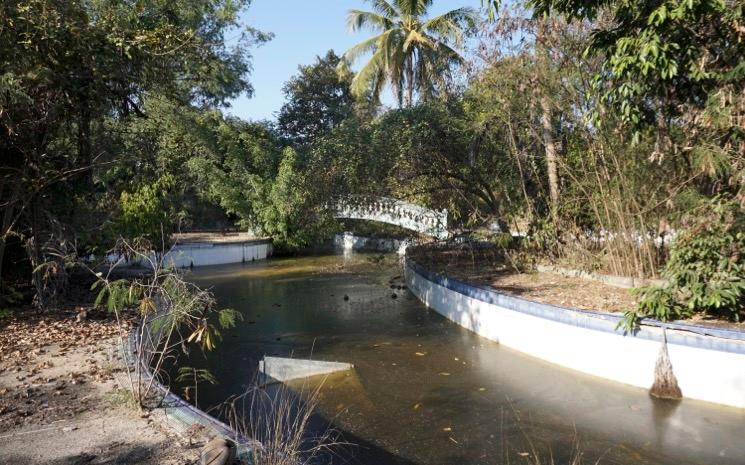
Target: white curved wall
(217, 253)
(709, 364)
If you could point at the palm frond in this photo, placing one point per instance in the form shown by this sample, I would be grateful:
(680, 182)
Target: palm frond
(366, 46)
(384, 8)
(416, 37)
(413, 7)
(449, 53)
(453, 25)
(410, 54)
(369, 72)
(358, 19)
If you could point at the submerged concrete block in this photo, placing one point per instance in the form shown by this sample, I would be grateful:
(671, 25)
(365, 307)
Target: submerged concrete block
(280, 369)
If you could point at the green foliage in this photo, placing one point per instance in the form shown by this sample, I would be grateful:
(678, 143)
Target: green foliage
(117, 294)
(318, 99)
(197, 375)
(5, 313)
(659, 302)
(147, 211)
(228, 317)
(706, 268)
(294, 215)
(78, 80)
(666, 59)
(237, 168)
(168, 304)
(412, 53)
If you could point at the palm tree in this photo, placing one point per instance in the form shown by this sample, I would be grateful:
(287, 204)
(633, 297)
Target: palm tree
(411, 52)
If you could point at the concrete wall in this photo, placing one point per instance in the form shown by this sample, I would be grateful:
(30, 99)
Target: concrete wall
(218, 253)
(348, 241)
(708, 363)
(178, 414)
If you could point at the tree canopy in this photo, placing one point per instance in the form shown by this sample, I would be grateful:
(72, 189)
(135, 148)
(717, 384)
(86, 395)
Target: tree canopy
(594, 130)
(318, 99)
(76, 75)
(411, 53)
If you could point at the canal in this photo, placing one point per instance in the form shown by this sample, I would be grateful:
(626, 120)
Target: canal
(426, 391)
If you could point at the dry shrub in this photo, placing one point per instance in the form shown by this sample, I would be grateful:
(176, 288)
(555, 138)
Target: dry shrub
(275, 425)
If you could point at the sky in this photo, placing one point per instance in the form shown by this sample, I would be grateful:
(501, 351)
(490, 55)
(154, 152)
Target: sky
(303, 29)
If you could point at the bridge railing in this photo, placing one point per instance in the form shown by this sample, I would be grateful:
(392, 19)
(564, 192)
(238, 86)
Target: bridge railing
(393, 211)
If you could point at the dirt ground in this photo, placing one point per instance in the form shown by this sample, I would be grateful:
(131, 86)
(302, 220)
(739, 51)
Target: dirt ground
(61, 403)
(488, 268)
(213, 237)
(564, 291)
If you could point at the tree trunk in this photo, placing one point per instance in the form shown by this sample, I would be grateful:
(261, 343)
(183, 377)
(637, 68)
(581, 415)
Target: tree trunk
(84, 127)
(662, 143)
(7, 215)
(410, 84)
(35, 255)
(550, 145)
(519, 154)
(8, 212)
(84, 142)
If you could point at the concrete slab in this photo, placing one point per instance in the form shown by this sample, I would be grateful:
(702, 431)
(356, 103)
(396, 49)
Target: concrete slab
(280, 369)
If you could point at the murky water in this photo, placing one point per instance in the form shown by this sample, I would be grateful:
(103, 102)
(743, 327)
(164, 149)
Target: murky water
(426, 391)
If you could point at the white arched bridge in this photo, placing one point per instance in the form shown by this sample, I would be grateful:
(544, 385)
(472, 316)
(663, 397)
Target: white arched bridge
(386, 210)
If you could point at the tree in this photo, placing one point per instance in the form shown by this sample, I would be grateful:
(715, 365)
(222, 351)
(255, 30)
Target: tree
(235, 167)
(294, 216)
(543, 52)
(318, 99)
(668, 64)
(68, 67)
(411, 52)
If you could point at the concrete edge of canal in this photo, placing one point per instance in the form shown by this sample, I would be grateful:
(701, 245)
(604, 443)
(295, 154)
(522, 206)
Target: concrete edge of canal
(709, 363)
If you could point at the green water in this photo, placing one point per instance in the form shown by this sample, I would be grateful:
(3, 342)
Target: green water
(426, 391)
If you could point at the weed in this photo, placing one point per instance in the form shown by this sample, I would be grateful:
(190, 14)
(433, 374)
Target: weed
(121, 397)
(278, 421)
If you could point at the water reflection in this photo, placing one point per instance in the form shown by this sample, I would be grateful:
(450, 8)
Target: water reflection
(426, 391)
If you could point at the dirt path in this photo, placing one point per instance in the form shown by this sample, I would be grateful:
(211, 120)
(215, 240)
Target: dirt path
(60, 402)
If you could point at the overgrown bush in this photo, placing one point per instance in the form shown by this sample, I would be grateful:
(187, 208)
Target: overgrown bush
(147, 211)
(706, 269)
(173, 315)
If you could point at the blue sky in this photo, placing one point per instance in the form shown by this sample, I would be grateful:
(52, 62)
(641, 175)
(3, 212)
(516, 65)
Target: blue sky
(303, 29)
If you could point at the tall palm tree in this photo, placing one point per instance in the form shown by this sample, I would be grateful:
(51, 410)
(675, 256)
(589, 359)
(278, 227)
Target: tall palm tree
(411, 52)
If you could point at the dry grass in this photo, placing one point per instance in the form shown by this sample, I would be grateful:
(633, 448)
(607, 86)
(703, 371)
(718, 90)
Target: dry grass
(274, 423)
